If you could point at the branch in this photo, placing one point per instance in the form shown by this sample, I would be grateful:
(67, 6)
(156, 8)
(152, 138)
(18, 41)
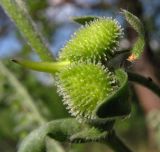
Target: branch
(113, 141)
(145, 82)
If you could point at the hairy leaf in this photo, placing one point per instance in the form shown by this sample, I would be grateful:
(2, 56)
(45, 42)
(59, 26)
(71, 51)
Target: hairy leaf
(137, 25)
(88, 135)
(61, 130)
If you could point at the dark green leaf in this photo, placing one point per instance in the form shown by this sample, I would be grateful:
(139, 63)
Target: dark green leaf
(117, 104)
(84, 19)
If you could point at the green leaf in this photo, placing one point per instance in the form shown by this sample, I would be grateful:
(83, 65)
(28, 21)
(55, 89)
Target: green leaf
(137, 25)
(88, 135)
(84, 19)
(138, 46)
(134, 21)
(68, 130)
(53, 146)
(17, 11)
(117, 104)
(58, 129)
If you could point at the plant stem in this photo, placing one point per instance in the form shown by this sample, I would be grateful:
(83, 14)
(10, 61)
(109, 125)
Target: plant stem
(113, 141)
(17, 11)
(145, 82)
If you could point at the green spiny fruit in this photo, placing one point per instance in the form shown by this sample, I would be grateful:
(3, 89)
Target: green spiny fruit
(97, 40)
(84, 86)
(91, 92)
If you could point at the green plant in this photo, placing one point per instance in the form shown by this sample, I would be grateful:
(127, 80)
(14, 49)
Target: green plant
(95, 94)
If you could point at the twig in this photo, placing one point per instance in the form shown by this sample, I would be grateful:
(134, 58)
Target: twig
(113, 141)
(145, 82)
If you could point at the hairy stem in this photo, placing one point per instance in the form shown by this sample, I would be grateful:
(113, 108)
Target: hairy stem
(113, 141)
(145, 82)
(17, 11)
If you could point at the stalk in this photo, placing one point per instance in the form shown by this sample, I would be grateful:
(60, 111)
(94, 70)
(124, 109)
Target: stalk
(49, 67)
(113, 141)
(145, 82)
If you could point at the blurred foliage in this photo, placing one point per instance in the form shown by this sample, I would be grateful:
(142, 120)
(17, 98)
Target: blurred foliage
(18, 116)
(36, 9)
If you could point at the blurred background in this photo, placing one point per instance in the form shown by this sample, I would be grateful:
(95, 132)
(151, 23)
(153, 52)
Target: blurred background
(28, 99)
